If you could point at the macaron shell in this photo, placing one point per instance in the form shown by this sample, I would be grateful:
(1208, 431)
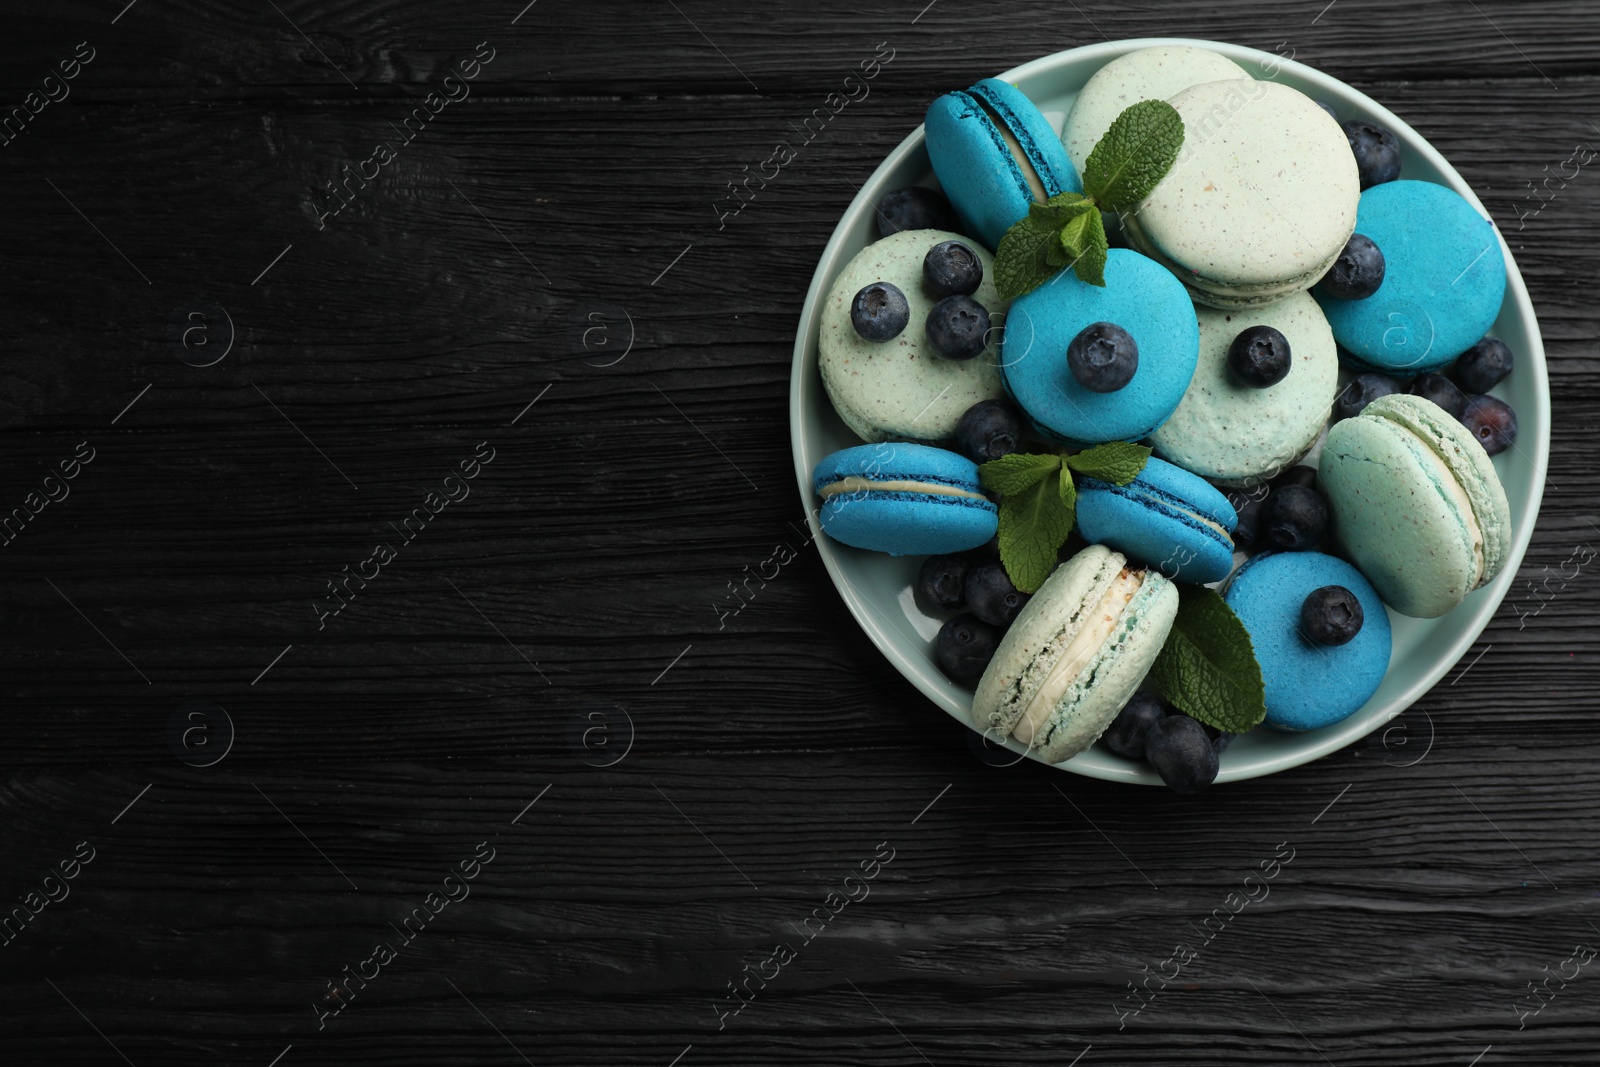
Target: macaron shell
(1237, 434)
(1153, 532)
(1033, 132)
(901, 389)
(1115, 675)
(1140, 296)
(908, 524)
(1395, 515)
(904, 523)
(1158, 73)
(1045, 624)
(1463, 454)
(1443, 283)
(1031, 647)
(976, 167)
(1262, 197)
(1309, 686)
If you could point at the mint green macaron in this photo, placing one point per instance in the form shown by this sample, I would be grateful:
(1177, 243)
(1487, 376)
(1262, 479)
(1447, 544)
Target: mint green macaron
(1416, 503)
(1075, 654)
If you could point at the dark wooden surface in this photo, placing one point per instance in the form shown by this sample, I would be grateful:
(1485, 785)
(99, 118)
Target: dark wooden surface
(560, 613)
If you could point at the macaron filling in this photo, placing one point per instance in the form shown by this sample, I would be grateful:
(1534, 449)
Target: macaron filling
(1097, 628)
(1445, 482)
(1006, 125)
(855, 483)
(1166, 503)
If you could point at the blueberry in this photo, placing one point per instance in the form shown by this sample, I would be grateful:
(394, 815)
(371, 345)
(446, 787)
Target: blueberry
(1220, 739)
(1296, 518)
(915, 208)
(1259, 357)
(1324, 105)
(1251, 511)
(1484, 365)
(1125, 736)
(1377, 151)
(950, 269)
(958, 327)
(941, 582)
(1441, 390)
(988, 430)
(1330, 616)
(1103, 357)
(990, 594)
(1360, 391)
(1492, 422)
(964, 647)
(1181, 753)
(1297, 475)
(1358, 272)
(879, 312)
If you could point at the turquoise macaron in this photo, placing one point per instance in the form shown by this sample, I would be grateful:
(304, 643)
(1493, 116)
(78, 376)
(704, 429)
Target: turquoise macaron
(1309, 685)
(1143, 298)
(903, 499)
(1416, 503)
(995, 153)
(1166, 518)
(1075, 654)
(1443, 281)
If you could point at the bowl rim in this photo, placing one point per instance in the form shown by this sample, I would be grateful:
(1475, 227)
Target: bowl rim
(1532, 362)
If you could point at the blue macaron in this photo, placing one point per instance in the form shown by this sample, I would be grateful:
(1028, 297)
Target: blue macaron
(1166, 518)
(903, 499)
(1443, 281)
(1309, 685)
(1143, 298)
(995, 153)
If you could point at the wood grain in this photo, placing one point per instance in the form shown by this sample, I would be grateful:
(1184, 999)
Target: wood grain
(1438, 866)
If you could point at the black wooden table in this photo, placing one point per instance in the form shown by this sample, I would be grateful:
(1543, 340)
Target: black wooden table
(390, 398)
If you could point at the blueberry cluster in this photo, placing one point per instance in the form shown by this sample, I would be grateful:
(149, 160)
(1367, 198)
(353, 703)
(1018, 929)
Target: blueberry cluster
(1463, 392)
(957, 327)
(1185, 752)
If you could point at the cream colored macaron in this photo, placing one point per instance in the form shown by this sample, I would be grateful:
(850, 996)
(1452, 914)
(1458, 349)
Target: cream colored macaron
(1075, 654)
(1261, 200)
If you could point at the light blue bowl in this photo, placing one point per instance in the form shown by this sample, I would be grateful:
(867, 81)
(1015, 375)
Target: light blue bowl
(877, 588)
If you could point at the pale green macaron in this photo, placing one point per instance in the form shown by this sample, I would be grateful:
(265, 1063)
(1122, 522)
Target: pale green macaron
(1237, 434)
(1261, 199)
(1075, 654)
(1157, 73)
(1416, 503)
(901, 389)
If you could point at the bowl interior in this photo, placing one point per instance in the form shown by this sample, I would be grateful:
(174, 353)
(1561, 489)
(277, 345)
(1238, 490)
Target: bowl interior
(878, 588)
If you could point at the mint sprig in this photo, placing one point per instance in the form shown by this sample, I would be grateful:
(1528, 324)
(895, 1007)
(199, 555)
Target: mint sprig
(1117, 461)
(1208, 667)
(1067, 230)
(1039, 502)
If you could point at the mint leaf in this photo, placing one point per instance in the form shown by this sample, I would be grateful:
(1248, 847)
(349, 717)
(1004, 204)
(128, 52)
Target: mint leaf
(1016, 473)
(1208, 666)
(1117, 461)
(1134, 155)
(1029, 254)
(1090, 267)
(1022, 261)
(1069, 498)
(1034, 524)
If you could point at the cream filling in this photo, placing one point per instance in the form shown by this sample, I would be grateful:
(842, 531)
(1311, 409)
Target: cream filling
(1023, 163)
(1095, 631)
(1457, 495)
(1140, 238)
(856, 484)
